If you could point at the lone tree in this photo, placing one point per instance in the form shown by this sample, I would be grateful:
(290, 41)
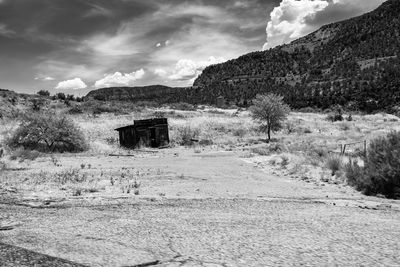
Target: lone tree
(270, 110)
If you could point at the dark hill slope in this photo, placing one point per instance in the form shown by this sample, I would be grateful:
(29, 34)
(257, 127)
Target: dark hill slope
(146, 93)
(353, 62)
(158, 93)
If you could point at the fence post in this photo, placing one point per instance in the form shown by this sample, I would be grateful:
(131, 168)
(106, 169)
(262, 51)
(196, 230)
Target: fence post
(365, 148)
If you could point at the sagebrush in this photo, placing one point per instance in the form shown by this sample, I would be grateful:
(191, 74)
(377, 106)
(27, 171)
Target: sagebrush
(48, 132)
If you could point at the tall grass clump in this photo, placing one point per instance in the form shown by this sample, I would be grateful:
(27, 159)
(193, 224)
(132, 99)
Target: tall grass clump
(334, 163)
(47, 132)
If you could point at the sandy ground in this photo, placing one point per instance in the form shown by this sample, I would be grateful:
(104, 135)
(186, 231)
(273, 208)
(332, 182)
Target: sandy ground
(213, 208)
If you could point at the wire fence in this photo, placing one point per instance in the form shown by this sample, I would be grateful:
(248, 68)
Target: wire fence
(354, 149)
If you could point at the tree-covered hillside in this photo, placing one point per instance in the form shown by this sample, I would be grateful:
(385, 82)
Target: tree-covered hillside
(353, 62)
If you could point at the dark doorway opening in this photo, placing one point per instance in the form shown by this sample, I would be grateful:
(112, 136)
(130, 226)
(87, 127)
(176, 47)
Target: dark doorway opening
(153, 138)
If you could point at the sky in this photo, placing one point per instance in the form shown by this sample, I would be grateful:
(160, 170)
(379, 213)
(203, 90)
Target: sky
(75, 46)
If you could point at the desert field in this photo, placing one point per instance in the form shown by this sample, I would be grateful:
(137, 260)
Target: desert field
(230, 199)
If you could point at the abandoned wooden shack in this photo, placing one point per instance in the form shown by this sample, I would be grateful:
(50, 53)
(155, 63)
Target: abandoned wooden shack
(145, 133)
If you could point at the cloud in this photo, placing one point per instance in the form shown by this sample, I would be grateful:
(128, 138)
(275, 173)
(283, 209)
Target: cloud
(295, 18)
(119, 79)
(98, 10)
(288, 20)
(109, 34)
(120, 44)
(5, 31)
(241, 4)
(44, 78)
(187, 70)
(160, 72)
(73, 84)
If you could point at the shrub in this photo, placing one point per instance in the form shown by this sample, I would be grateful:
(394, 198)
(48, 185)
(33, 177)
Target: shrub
(60, 96)
(70, 176)
(321, 152)
(334, 163)
(343, 126)
(48, 132)
(382, 166)
(183, 106)
(381, 174)
(75, 110)
(336, 115)
(38, 104)
(24, 154)
(149, 104)
(159, 114)
(3, 166)
(309, 110)
(355, 175)
(43, 93)
(186, 134)
(99, 109)
(274, 148)
(239, 132)
(206, 142)
(290, 128)
(262, 151)
(284, 162)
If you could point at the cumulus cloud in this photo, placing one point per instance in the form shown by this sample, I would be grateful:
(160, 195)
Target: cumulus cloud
(187, 70)
(295, 18)
(73, 84)
(120, 79)
(288, 20)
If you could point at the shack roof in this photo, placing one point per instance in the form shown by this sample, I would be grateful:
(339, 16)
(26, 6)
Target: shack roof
(149, 123)
(125, 127)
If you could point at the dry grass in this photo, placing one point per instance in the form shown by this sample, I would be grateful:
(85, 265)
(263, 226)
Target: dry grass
(206, 125)
(306, 140)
